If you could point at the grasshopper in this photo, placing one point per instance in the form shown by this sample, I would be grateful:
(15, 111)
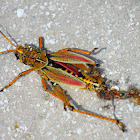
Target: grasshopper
(71, 68)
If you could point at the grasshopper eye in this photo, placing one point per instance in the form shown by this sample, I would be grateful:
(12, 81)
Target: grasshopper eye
(17, 56)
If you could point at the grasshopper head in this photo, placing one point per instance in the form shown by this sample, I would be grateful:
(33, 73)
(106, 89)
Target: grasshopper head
(19, 53)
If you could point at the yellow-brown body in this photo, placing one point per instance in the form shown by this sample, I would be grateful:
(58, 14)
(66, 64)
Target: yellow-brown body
(68, 68)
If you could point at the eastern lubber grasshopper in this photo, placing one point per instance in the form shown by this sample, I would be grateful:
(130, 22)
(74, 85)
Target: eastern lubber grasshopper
(69, 68)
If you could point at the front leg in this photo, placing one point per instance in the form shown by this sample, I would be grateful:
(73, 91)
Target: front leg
(21, 74)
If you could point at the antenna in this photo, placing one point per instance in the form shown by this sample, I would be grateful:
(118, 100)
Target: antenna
(4, 28)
